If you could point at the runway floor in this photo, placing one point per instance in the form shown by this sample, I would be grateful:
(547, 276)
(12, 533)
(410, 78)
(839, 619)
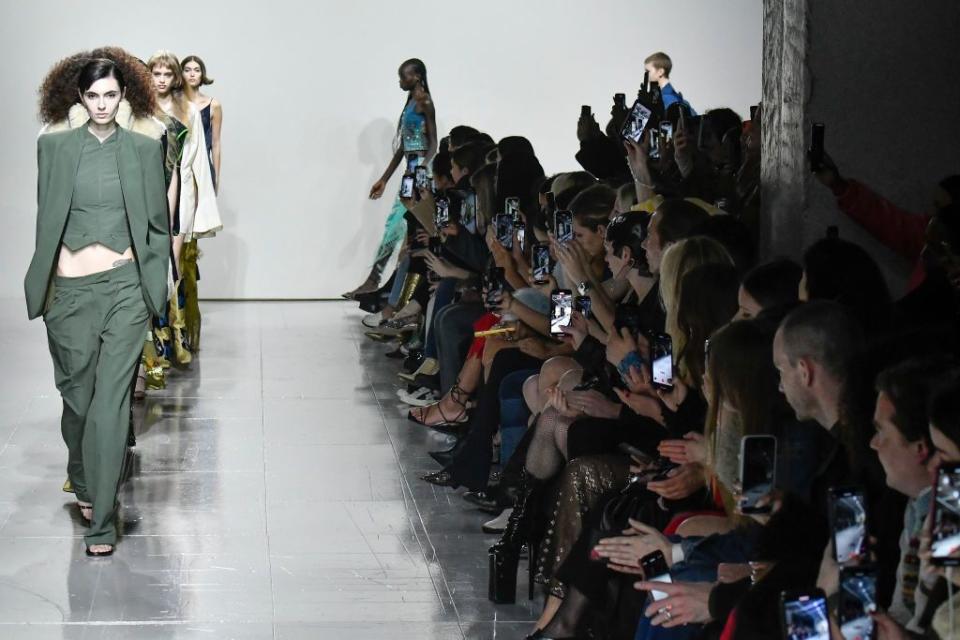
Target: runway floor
(275, 494)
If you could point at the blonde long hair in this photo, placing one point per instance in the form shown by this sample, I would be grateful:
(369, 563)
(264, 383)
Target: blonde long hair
(680, 258)
(181, 107)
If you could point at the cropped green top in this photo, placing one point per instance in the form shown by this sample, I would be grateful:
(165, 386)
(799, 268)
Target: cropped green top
(97, 211)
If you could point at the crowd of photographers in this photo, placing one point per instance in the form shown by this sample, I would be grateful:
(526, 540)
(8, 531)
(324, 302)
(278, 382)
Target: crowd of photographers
(680, 441)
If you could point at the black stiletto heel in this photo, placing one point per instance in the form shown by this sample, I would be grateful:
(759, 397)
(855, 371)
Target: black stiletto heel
(504, 556)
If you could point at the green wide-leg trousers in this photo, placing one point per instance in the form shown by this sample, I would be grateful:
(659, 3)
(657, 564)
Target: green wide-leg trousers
(95, 328)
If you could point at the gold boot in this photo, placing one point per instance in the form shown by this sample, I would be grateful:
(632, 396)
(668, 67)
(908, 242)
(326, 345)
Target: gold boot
(409, 287)
(191, 303)
(177, 324)
(153, 364)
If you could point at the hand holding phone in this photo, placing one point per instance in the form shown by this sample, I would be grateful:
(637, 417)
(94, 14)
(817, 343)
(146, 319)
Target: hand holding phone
(758, 465)
(848, 522)
(804, 615)
(945, 517)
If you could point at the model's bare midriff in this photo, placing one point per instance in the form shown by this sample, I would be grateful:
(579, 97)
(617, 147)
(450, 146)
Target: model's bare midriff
(90, 259)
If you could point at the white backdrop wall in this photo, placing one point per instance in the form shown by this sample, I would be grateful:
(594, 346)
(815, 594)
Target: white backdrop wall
(311, 100)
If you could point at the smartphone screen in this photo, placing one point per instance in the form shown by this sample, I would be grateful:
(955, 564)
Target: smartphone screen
(636, 122)
(857, 600)
(413, 161)
(945, 528)
(421, 178)
(758, 468)
(805, 616)
(561, 308)
(442, 216)
(503, 227)
(521, 238)
(512, 208)
(406, 186)
(666, 131)
(583, 305)
(661, 361)
(468, 208)
(563, 226)
(848, 520)
(654, 148)
(655, 569)
(494, 285)
(541, 263)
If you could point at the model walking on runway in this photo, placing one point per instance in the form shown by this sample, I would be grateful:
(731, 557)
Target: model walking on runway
(416, 142)
(98, 271)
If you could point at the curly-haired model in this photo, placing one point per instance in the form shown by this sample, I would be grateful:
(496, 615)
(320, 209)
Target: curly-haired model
(59, 92)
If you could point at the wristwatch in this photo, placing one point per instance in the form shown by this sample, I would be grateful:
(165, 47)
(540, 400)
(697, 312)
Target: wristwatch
(583, 288)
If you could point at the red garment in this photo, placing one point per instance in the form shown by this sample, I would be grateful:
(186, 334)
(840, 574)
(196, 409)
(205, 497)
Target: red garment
(485, 322)
(900, 230)
(730, 627)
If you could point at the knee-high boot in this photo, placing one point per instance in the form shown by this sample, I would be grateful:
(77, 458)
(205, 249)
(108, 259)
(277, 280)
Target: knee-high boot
(409, 288)
(178, 326)
(505, 554)
(190, 274)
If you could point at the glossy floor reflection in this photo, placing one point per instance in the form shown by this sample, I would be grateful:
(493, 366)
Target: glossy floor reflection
(274, 494)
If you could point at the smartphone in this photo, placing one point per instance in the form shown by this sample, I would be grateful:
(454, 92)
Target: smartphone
(945, 527)
(503, 227)
(856, 601)
(512, 208)
(703, 126)
(666, 130)
(563, 226)
(640, 456)
(468, 208)
(654, 150)
(804, 615)
(441, 217)
(816, 146)
(629, 361)
(753, 112)
(583, 305)
(758, 468)
(413, 161)
(655, 569)
(541, 263)
(421, 178)
(494, 285)
(521, 238)
(848, 523)
(661, 361)
(636, 122)
(550, 205)
(561, 308)
(407, 186)
(620, 100)
(584, 111)
(646, 82)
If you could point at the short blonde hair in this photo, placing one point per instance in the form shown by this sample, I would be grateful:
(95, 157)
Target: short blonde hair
(165, 58)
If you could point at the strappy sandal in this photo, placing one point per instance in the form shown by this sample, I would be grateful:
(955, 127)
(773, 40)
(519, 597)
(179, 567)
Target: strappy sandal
(447, 423)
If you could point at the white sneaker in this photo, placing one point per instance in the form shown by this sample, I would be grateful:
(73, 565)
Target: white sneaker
(498, 524)
(422, 397)
(373, 320)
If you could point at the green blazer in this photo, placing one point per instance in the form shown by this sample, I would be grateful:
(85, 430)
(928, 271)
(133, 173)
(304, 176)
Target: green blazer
(140, 160)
